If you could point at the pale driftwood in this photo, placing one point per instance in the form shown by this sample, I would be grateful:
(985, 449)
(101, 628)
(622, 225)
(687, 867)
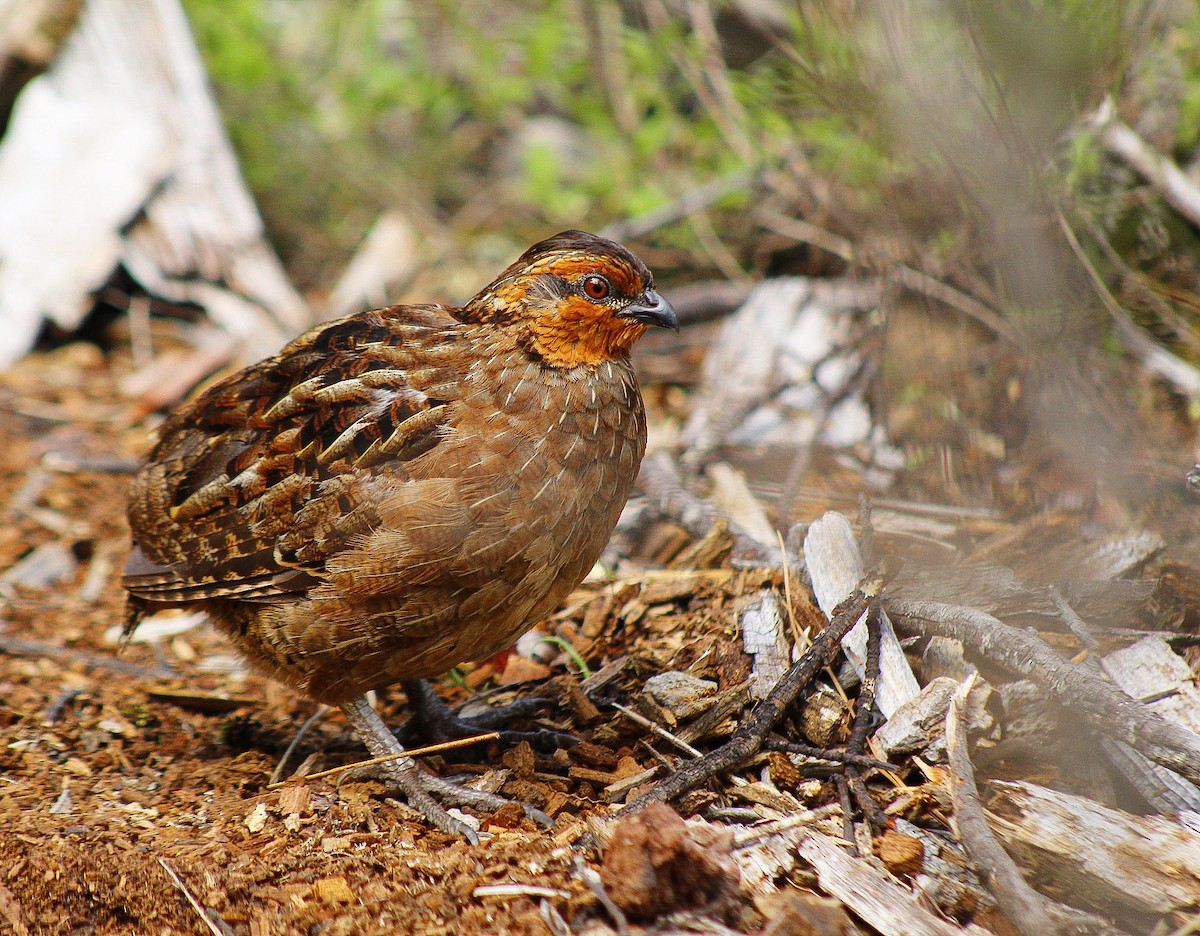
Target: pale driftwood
(1024, 907)
(780, 365)
(1083, 693)
(874, 896)
(116, 155)
(836, 569)
(919, 725)
(761, 620)
(1150, 670)
(834, 563)
(730, 494)
(1119, 555)
(1104, 857)
(765, 853)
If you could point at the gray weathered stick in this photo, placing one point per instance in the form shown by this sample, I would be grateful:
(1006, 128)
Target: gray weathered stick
(1023, 906)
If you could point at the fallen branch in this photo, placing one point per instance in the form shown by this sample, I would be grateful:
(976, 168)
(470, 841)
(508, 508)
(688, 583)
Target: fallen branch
(1113, 861)
(1180, 192)
(1154, 356)
(1089, 696)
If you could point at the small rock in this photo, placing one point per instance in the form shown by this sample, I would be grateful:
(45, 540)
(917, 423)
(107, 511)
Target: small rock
(117, 726)
(919, 725)
(257, 818)
(681, 694)
(535, 645)
(825, 719)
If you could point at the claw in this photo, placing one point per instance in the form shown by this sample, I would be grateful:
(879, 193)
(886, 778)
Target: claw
(433, 721)
(424, 791)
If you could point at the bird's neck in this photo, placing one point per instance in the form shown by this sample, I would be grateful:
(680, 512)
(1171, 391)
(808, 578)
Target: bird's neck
(577, 336)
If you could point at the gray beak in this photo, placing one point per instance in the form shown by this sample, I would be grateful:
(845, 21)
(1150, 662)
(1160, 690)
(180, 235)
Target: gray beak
(652, 309)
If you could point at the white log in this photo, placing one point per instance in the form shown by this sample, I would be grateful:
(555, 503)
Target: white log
(874, 896)
(1151, 670)
(1101, 856)
(116, 155)
(835, 566)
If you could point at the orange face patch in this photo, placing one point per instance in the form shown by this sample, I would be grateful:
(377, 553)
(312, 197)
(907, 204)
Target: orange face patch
(581, 332)
(545, 295)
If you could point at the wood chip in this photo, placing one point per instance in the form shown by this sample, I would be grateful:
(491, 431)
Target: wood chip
(900, 853)
(519, 669)
(519, 890)
(761, 621)
(333, 890)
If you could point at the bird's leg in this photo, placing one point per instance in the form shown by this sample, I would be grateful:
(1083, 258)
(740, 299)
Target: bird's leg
(433, 721)
(422, 790)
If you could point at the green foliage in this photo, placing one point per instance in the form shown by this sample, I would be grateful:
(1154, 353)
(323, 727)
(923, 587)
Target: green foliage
(516, 117)
(558, 113)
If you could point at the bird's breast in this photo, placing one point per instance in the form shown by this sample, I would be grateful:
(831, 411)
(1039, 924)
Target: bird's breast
(556, 450)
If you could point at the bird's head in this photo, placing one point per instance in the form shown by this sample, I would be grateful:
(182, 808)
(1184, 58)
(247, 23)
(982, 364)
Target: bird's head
(575, 299)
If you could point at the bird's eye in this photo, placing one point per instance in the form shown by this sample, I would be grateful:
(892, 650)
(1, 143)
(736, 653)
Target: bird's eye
(596, 286)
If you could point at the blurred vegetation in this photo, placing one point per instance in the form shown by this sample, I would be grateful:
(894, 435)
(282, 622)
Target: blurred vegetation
(937, 133)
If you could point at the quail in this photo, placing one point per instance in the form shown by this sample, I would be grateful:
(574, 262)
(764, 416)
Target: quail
(406, 489)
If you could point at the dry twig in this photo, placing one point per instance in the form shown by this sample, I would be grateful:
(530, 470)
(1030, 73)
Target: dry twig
(751, 734)
(1120, 140)
(191, 899)
(408, 752)
(900, 273)
(1023, 906)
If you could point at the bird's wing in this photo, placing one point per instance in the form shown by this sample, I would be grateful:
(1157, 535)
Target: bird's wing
(255, 484)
